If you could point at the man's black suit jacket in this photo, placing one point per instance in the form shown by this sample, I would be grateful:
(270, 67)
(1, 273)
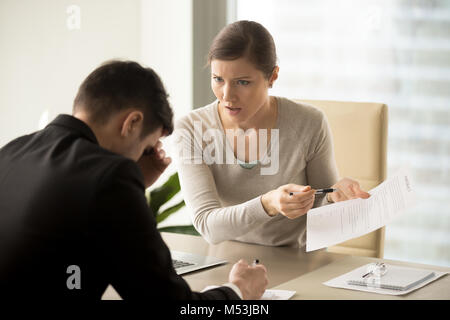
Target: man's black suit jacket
(66, 201)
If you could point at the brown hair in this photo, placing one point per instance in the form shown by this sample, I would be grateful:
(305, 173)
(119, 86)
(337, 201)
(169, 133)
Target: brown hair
(247, 39)
(118, 85)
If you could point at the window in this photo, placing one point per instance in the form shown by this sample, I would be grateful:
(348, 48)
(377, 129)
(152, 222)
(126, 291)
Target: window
(392, 51)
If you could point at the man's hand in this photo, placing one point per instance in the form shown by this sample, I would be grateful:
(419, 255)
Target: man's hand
(153, 163)
(251, 280)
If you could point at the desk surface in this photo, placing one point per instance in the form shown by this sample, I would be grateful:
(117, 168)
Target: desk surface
(289, 269)
(310, 287)
(283, 264)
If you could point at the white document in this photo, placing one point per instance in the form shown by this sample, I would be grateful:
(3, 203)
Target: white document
(269, 294)
(342, 281)
(342, 221)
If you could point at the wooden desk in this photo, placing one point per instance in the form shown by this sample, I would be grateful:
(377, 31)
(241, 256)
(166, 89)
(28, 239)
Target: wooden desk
(288, 269)
(283, 264)
(310, 287)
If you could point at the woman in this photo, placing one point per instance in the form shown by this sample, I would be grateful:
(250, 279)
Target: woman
(224, 147)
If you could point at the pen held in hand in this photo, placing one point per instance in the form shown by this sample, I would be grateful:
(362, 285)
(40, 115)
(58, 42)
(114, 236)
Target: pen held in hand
(318, 191)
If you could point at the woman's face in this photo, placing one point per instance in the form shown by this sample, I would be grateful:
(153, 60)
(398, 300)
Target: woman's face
(242, 90)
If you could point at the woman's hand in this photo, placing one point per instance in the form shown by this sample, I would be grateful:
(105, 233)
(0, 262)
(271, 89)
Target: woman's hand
(347, 189)
(153, 163)
(279, 201)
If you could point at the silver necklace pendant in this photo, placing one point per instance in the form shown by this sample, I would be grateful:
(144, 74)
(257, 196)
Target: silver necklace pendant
(246, 165)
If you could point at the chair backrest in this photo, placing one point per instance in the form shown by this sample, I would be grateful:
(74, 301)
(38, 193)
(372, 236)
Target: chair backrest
(360, 137)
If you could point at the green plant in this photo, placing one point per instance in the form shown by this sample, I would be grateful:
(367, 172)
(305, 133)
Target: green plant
(161, 195)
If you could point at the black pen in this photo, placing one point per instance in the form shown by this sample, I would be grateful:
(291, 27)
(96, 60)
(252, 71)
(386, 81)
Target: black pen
(318, 191)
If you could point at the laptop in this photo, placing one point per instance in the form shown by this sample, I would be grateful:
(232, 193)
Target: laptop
(184, 262)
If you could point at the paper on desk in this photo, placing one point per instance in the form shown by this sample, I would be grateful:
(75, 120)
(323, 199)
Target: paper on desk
(342, 221)
(269, 294)
(341, 282)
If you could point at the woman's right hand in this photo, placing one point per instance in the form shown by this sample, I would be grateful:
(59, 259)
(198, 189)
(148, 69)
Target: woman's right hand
(279, 201)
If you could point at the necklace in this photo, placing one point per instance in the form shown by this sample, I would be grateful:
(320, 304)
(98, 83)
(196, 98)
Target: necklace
(246, 165)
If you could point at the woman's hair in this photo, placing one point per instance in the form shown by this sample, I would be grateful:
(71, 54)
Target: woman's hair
(247, 39)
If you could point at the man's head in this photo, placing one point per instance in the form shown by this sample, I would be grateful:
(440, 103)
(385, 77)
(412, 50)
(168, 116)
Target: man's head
(126, 106)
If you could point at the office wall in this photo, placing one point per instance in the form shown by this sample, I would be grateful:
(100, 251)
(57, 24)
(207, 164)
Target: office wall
(166, 40)
(44, 56)
(166, 46)
(48, 47)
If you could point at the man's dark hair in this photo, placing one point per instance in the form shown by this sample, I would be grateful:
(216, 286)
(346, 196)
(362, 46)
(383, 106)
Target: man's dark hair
(118, 85)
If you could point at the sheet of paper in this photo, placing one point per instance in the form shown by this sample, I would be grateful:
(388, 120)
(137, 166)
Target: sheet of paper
(341, 282)
(269, 294)
(342, 221)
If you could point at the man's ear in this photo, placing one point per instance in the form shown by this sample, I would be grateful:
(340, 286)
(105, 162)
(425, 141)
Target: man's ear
(132, 123)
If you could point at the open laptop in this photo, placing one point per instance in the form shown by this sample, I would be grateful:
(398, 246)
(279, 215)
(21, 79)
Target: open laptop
(184, 262)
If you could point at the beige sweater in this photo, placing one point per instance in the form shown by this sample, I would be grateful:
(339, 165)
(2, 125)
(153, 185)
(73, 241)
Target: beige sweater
(224, 198)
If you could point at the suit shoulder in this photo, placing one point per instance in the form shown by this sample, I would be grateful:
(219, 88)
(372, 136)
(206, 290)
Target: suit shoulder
(17, 143)
(119, 167)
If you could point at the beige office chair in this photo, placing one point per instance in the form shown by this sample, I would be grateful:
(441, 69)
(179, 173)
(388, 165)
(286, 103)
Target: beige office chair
(360, 137)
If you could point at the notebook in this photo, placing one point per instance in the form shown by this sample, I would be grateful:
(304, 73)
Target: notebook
(396, 278)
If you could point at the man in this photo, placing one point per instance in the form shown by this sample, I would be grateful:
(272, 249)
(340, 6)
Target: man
(72, 199)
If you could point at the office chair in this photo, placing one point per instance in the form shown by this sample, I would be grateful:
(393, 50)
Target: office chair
(360, 137)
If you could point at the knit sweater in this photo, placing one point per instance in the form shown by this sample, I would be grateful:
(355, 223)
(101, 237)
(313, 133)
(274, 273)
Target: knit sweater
(224, 197)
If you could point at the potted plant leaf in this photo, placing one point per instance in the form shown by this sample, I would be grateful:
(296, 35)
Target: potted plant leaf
(161, 195)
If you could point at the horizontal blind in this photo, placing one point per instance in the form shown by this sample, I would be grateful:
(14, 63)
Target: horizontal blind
(393, 51)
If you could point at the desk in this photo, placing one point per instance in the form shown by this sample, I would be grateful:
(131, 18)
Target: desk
(283, 264)
(310, 287)
(287, 268)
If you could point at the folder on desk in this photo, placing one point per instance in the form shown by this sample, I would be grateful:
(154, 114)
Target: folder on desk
(397, 278)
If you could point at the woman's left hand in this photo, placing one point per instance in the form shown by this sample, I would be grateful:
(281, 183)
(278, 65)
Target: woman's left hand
(347, 189)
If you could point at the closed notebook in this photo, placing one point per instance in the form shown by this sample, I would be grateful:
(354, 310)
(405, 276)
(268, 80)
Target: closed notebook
(396, 278)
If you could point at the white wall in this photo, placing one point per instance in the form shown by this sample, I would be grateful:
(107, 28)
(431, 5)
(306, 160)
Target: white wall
(166, 39)
(44, 57)
(43, 62)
